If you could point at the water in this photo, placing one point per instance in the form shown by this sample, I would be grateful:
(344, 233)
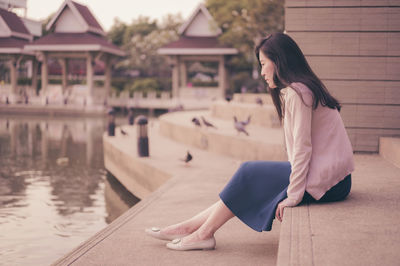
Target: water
(54, 190)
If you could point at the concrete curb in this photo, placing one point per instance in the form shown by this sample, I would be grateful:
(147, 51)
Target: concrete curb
(389, 148)
(177, 126)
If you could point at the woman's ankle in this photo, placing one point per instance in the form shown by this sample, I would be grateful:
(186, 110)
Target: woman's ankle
(177, 229)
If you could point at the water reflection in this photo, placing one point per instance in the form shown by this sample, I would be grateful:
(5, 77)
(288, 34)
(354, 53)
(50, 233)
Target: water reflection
(54, 190)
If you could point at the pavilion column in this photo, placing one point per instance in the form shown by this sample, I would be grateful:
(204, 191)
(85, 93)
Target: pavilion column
(34, 75)
(13, 79)
(107, 82)
(45, 76)
(89, 77)
(183, 74)
(221, 77)
(64, 74)
(175, 77)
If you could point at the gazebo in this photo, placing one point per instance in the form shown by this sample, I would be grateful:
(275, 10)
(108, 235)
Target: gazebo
(197, 58)
(14, 35)
(75, 34)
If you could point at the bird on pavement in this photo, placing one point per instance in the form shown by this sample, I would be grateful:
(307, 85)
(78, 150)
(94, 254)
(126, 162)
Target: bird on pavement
(188, 157)
(259, 101)
(207, 123)
(124, 133)
(196, 121)
(240, 126)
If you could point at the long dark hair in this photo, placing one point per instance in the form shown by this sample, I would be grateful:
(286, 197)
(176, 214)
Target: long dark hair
(290, 66)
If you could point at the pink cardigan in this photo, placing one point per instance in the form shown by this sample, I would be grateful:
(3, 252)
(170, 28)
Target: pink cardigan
(318, 148)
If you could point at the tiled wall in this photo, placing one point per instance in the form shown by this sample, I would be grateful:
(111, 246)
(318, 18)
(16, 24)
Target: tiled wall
(354, 47)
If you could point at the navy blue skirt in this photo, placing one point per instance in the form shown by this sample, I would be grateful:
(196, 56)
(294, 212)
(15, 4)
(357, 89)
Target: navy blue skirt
(257, 187)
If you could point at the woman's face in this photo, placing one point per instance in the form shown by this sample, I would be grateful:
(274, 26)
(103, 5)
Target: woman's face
(267, 70)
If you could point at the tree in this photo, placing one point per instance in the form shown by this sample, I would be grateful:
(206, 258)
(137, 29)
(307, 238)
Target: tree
(243, 24)
(141, 40)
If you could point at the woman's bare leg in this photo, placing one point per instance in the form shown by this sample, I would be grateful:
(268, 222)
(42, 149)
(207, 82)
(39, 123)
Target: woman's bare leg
(220, 214)
(190, 225)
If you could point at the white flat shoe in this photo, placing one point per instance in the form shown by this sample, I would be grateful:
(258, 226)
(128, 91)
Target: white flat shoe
(156, 233)
(177, 244)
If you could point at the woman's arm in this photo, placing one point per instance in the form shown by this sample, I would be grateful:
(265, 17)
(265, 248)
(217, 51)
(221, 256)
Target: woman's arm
(300, 116)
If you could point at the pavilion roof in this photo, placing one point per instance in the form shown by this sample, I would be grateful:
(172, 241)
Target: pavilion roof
(77, 42)
(196, 46)
(15, 25)
(13, 45)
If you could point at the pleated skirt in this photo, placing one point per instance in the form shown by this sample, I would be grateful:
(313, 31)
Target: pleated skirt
(255, 190)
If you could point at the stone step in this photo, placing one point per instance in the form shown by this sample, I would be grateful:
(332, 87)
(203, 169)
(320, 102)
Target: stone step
(261, 144)
(264, 115)
(361, 230)
(389, 148)
(251, 97)
(189, 189)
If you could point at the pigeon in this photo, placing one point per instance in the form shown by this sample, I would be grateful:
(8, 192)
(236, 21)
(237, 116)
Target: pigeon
(196, 121)
(123, 132)
(188, 158)
(245, 123)
(208, 124)
(240, 126)
(259, 101)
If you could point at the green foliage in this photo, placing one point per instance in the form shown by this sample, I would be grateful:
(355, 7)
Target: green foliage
(117, 32)
(141, 40)
(24, 81)
(145, 85)
(244, 22)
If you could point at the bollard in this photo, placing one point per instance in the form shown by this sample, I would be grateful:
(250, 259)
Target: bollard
(111, 123)
(7, 101)
(143, 141)
(131, 120)
(47, 100)
(26, 99)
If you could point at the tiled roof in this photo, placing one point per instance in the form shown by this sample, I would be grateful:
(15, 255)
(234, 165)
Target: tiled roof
(87, 15)
(13, 22)
(195, 42)
(12, 42)
(67, 40)
(73, 38)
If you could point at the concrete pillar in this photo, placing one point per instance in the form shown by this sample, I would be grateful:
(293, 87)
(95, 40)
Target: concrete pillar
(34, 75)
(90, 144)
(89, 77)
(44, 76)
(221, 77)
(183, 74)
(44, 142)
(107, 73)
(31, 138)
(64, 73)
(13, 138)
(13, 79)
(175, 77)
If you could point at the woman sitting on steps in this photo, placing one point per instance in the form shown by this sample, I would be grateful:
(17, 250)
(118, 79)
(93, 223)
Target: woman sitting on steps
(318, 148)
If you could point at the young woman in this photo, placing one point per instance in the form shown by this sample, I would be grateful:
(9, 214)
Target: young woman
(318, 148)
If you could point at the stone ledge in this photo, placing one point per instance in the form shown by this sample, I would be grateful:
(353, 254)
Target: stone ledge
(362, 230)
(389, 148)
(262, 144)
(260, 115)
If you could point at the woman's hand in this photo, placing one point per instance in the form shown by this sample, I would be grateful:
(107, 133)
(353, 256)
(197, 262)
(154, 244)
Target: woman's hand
(281, 206)
(279, 210)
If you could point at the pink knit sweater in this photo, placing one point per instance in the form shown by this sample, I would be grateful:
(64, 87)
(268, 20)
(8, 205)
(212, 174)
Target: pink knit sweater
(318, 148)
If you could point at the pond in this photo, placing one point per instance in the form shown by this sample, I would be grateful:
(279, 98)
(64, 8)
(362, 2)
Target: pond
(54, 190)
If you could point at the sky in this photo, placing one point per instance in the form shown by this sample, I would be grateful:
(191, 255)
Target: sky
(125, 10)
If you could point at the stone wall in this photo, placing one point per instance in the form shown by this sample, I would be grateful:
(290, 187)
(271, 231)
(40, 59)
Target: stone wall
(354, 47)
